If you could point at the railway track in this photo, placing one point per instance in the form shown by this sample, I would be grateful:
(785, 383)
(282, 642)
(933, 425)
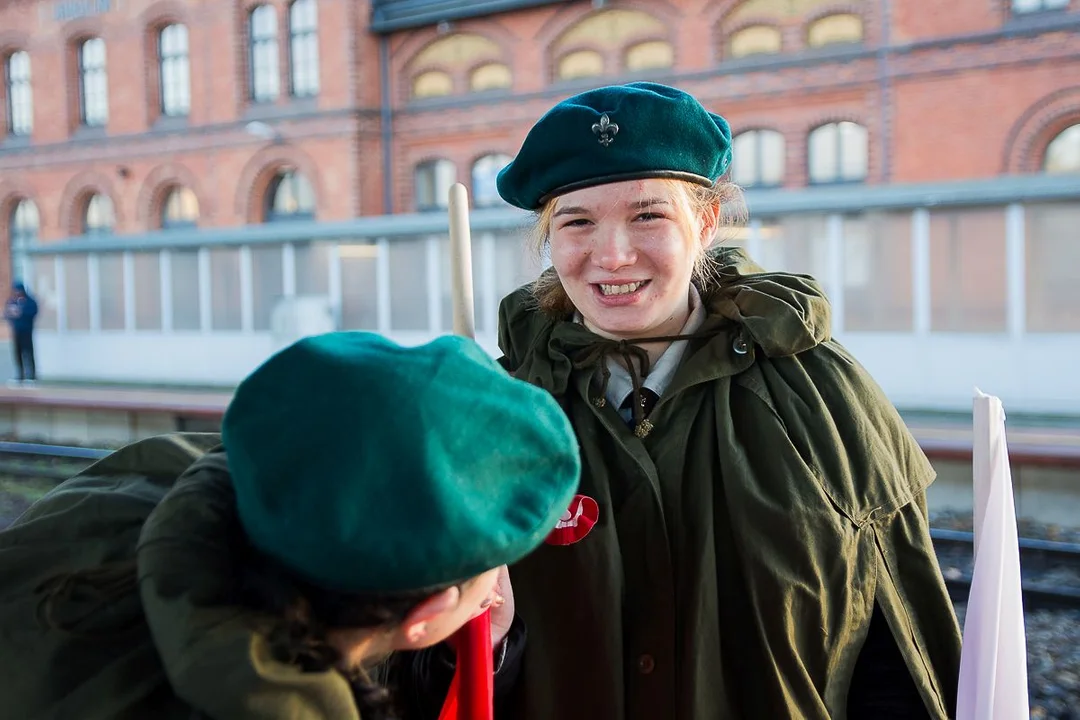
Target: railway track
(1037, 557)
(47, 462)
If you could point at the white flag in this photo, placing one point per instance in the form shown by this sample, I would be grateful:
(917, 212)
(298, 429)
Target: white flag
(993, 666)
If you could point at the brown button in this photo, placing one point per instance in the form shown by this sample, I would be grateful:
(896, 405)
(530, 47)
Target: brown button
(646, 664)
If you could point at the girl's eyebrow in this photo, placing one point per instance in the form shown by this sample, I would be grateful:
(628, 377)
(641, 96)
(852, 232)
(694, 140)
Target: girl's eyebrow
(570, 210)
(636, 205)
(649, 202)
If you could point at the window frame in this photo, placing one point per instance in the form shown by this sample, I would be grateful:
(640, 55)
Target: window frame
(308, 34)
(1074, 130)
(10, 85)
(175, 59)
(838, 174)
(256, 41)
(280, 176)
(481, 200)
(86, 230)
(759, 154)
(85, 74)
(163, 218)
(440, 200)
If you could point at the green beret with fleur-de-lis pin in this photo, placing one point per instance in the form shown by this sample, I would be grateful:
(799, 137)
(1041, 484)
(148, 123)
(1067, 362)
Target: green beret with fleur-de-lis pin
(621, 132)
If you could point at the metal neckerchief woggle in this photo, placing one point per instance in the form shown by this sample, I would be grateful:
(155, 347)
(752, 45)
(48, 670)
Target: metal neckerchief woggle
(595, 354)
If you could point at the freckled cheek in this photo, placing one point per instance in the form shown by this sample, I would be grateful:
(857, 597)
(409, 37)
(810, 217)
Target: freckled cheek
(666, 254)
(568, 256)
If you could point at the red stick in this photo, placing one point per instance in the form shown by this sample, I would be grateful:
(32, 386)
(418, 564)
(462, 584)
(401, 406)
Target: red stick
(471, 695)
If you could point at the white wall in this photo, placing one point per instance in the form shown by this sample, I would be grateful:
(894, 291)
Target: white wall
(174, 358)
(1031, 374)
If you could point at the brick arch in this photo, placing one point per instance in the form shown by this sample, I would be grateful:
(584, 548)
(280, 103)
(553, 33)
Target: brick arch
(13, 40)
(838, 8)
(484, 153)
(1027, 139)
(717, 12)
(411, 68)
(14, 188)
(160, 180)
(163, 13)
(434, 158)
(13, 192)
(80, 29)
(246, 6)
(75, 193)
(563, 21)
(571, 14)
(261, 169)
(827, 118)
(757, 127)
(421, 40)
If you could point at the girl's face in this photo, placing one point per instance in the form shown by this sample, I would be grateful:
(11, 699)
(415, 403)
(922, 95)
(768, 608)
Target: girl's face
(625, 254)
(476, 596)
(432, 621)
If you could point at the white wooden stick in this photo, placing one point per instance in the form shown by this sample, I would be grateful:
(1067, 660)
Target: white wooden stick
(461, 281)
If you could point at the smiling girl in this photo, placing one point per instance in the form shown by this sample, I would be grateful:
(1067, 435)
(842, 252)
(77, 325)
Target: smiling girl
(759, 545)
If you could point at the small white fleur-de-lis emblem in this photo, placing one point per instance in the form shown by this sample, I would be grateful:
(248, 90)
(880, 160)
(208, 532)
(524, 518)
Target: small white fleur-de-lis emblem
(605, 130)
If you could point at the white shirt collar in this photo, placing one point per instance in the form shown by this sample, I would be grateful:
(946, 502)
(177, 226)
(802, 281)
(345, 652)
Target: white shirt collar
(620, 386)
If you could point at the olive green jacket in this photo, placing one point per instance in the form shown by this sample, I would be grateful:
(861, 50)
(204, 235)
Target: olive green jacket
(742, 544)
(171, 644)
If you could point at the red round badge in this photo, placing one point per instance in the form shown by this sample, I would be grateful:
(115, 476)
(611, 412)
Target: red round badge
(576, 522)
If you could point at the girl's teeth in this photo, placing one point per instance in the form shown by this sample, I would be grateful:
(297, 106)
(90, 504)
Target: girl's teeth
(620, 289)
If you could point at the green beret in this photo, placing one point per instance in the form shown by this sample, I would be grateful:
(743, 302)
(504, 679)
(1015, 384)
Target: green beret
(622, 132)
(367, 467)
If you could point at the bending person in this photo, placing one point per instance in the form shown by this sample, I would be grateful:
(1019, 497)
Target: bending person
(364, 501)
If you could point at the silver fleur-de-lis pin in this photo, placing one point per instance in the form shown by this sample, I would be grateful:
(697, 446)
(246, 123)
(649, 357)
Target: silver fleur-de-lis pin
(605, 130)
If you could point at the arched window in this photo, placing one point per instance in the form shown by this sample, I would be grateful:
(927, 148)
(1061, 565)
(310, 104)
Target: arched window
(1063, 152)
(433, 83)
(23, 227)
(265, 81)
(466, 55)
(754, 40)
(491, 76)
(839, 152)
(758, 158)
(175, 70)
(93, 83)
(835, 30)
(20, 119)
(484, 173)
(99, 216)
(651, 55)
(290, 197)
(304, 48)
(433, 180)
(580, 64)
(180, 208)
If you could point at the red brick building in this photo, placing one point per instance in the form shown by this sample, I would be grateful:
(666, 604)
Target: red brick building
(119, 118)
(940, 91)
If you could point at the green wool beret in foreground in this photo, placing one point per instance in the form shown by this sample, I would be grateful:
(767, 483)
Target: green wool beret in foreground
(621, 132)
(367, 467)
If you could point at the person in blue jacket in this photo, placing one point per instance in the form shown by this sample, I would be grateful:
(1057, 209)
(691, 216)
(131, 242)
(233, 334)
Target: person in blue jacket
(21, 310)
